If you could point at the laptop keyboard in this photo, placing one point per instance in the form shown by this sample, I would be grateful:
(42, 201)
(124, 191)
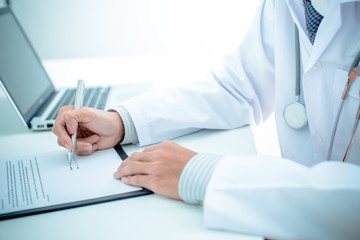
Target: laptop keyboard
(94, 97)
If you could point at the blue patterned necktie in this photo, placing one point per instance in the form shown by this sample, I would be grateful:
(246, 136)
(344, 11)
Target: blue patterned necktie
(313, 19)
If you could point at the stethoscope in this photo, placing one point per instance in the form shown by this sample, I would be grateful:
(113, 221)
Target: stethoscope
(295, 113)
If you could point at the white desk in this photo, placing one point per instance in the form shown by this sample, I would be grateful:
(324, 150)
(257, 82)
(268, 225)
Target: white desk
(146, 217)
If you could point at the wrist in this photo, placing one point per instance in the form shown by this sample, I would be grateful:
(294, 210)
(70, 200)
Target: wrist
(118, 127)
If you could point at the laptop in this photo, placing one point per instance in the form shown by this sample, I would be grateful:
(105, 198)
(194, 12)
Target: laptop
(28, 86)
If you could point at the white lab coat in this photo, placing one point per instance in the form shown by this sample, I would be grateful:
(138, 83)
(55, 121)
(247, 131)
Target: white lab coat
(262, 195)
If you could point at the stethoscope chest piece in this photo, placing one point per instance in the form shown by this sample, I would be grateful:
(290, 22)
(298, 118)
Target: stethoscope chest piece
(295, 115)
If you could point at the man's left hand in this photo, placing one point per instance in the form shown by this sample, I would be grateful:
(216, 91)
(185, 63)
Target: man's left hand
(157, 168)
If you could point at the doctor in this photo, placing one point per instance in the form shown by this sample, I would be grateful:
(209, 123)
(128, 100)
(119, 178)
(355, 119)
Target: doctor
(299, 196)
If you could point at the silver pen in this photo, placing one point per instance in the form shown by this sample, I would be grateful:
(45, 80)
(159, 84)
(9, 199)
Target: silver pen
(78, 103)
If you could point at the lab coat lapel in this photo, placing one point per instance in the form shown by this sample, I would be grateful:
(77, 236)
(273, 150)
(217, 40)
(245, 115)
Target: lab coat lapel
(326, 32)
(328, 28)
(298, 15)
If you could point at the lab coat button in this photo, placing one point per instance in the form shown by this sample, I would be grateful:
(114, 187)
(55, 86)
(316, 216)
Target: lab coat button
(318, 138)
(317, 66)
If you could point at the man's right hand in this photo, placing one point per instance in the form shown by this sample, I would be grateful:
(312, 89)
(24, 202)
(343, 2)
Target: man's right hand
(97, 129)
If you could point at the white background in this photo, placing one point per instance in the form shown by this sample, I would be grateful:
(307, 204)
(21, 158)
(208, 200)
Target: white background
(93, 28)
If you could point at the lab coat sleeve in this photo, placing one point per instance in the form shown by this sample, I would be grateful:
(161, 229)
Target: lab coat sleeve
(240, 93)
(281, 199)
(130, 135)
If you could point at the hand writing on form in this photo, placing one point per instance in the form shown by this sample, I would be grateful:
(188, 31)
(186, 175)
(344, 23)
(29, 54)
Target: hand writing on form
(97, 129)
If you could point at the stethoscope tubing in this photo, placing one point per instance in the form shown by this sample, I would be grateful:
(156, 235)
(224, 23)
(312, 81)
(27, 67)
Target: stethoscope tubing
(353, 72)
(356, 123)
(334, 129)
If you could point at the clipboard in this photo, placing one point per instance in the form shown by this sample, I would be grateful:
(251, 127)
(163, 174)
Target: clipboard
(120, 154)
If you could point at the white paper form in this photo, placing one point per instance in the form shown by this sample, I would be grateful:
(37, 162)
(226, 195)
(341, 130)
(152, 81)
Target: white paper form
(45, 179)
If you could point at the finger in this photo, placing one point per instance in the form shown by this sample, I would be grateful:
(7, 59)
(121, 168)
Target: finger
(63, 110)
(73, 118)
(138, 180)
(124, 163)
(64, 140)
(85, 148)
(140, 156)
(152, 148)
(67, 122)
(59, 129)
(71, 123)
(132, 168)
(137, 156)
(162, 145)
(85, 114)
(90, 139)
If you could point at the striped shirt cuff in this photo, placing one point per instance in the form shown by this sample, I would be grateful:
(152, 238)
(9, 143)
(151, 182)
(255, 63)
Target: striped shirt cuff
(130, 131)
(196, 176)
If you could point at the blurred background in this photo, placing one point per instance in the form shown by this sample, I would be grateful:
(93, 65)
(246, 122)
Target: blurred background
(93, 28)
(77, 29)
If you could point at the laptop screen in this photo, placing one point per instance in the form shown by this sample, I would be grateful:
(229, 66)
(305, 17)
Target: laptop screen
(21, 71)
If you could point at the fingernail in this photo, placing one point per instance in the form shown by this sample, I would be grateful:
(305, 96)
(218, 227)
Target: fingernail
(67, 146)
(95, 138)
(68, 127)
